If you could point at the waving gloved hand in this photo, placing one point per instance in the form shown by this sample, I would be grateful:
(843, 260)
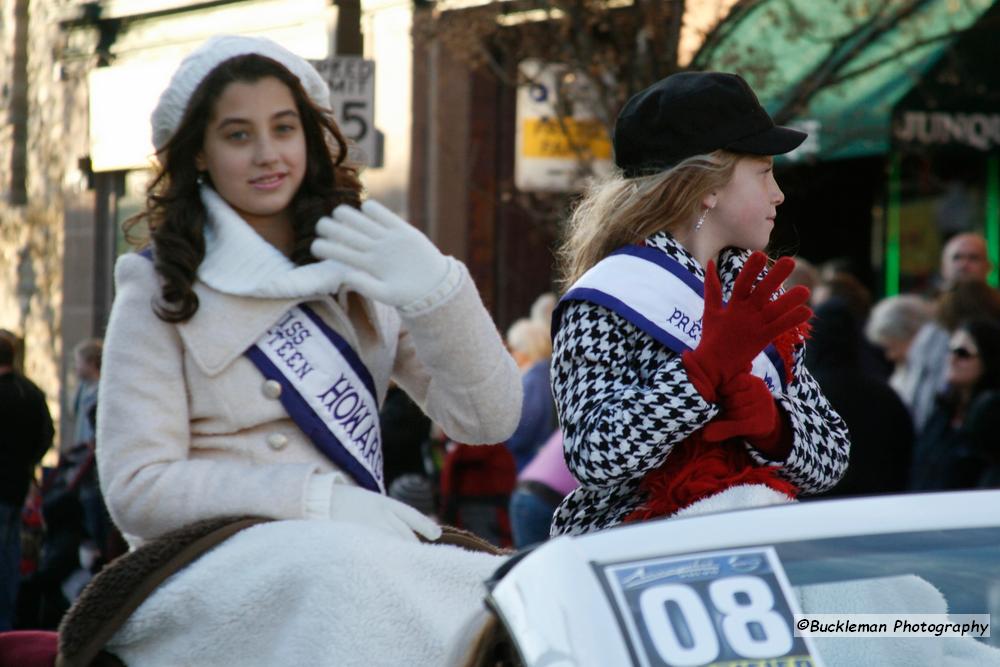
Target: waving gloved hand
(386, 258)
(358, 505)
(733, 334)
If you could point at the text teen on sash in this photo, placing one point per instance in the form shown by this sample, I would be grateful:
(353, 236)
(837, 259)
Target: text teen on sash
(665, 411)
(251, 343)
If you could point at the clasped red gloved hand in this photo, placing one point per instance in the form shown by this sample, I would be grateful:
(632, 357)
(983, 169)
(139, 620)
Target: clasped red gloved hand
(749, 411)
(733, 334)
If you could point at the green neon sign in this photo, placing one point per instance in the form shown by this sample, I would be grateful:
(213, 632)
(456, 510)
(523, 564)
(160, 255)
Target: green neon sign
(892, 227)
(992, 226)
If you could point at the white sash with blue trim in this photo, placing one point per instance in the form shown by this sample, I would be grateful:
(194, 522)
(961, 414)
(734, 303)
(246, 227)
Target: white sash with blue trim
(662, 298)
(327, 391)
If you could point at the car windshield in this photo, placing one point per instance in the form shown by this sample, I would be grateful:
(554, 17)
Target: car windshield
(964, 565)
(929, 572)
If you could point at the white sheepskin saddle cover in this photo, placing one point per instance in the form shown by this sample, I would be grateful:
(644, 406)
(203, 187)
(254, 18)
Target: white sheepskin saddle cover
(309, 593)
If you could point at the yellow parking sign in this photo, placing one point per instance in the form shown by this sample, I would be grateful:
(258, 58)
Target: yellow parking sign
(546, 138)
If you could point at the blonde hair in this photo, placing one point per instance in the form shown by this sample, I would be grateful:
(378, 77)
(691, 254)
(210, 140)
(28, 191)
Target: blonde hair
(617, 211)
(530, 338)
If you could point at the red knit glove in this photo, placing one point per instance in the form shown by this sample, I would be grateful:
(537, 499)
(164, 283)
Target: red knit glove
(749, 411)
(732, 335)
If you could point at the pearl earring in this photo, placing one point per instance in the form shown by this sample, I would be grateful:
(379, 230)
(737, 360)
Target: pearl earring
(201, 178)
(701, 220)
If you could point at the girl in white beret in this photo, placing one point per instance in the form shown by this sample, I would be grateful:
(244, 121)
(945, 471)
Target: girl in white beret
(249, 348)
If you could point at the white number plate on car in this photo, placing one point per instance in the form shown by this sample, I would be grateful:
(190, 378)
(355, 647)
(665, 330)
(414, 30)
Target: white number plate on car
(730, 608)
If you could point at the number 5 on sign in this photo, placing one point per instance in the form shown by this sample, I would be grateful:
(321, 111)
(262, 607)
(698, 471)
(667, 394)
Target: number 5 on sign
(354, 120)
(720, 608)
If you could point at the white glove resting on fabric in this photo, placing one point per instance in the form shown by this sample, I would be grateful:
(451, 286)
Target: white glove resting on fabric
(385, 257)
(343, 501)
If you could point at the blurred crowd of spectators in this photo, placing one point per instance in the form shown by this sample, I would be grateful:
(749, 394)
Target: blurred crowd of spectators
(916, 377)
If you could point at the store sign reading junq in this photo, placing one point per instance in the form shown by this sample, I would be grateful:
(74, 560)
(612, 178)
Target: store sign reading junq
(976, 130)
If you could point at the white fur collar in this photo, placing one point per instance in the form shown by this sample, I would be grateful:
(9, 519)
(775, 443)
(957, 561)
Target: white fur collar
(239, 262)
(741, 496)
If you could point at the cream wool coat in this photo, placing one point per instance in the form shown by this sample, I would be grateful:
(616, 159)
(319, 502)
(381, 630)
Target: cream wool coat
(185, 428)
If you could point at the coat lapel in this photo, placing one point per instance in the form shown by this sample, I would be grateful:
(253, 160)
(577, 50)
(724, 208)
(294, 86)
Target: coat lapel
(226, 325)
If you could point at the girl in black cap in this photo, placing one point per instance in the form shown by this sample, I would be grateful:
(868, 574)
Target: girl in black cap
(677, 362)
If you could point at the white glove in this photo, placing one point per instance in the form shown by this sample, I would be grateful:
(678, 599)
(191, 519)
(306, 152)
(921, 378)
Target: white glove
(386, 258)
(358, 505)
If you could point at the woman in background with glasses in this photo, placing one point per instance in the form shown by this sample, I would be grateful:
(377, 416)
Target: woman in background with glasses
(957, 447)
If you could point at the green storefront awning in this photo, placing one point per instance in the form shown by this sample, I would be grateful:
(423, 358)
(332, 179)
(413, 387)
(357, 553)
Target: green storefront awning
(867, 54)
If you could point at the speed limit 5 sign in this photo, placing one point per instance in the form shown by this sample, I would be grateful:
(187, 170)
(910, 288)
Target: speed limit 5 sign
(352, 97)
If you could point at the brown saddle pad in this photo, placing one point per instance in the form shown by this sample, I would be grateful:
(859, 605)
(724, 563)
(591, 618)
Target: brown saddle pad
(110, 598)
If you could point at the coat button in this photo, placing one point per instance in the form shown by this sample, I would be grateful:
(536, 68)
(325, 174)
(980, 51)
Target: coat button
(277, 441)
(272, 389)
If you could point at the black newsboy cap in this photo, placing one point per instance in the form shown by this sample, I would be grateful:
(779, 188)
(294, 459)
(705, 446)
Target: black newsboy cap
(693, 113)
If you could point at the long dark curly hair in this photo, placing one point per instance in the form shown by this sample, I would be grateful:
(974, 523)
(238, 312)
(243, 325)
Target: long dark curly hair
(174, 211)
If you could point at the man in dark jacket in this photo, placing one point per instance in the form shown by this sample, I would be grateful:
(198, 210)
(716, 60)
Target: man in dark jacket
(25, 435)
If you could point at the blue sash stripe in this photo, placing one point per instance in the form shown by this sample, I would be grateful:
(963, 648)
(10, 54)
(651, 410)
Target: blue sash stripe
(345, 350)
(666, 262)
(314, 428)
(616, 305)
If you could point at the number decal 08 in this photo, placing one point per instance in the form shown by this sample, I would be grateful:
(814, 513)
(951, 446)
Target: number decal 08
(741, 602)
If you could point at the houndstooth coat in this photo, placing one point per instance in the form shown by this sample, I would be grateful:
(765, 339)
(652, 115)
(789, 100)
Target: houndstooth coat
(625, 400)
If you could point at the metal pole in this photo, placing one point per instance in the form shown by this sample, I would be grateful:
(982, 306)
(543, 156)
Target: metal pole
(348, 40)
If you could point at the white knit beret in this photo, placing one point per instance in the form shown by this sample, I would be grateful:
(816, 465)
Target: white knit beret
(200, 62)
